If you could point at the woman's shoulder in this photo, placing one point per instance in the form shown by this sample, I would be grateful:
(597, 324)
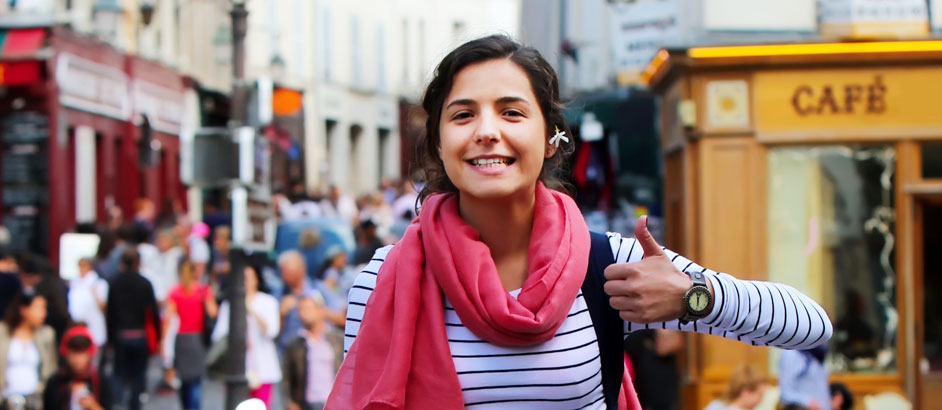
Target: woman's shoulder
(366, 279)
(46, 334)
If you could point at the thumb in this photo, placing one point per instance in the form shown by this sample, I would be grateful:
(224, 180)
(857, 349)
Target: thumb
(647, 242)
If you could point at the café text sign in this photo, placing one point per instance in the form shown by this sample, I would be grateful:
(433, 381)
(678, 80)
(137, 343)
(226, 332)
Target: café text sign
(847, 104)
(831, 99)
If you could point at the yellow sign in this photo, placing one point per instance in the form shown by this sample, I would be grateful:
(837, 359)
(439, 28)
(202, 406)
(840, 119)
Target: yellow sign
(891, 102)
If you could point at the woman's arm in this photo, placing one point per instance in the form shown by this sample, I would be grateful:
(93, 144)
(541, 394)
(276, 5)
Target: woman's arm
(755, 312)
(268, 317)
(222, 322)
(212, 307)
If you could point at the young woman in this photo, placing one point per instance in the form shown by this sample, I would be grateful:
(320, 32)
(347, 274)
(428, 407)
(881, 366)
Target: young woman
(190, 302)
(487, 301)
(27, 352)
(263, 324)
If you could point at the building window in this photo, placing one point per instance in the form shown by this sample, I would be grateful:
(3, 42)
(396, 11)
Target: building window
(831, 234)
(383, 152)
(381, 58)
(326, 45)
(354, 161)
(355, 51)
(405, 52)
(421, 56)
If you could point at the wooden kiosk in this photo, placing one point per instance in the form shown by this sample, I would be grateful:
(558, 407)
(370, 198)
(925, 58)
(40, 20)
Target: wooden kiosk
(819, 166)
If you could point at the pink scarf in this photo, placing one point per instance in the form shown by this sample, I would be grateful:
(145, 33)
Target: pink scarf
(401, 358)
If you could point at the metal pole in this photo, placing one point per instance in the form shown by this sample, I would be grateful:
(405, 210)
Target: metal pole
(236, 382)
(239, 27)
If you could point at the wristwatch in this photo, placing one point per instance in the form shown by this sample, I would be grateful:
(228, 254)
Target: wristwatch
(697, 300)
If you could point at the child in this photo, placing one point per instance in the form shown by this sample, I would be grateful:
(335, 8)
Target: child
(746, 388)
(76, 384)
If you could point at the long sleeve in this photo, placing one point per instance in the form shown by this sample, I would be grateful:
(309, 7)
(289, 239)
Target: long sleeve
(754, 312)
(268, 310)
(222, 323)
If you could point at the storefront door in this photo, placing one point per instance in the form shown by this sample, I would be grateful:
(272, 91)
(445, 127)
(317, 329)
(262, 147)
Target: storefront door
(929, 299)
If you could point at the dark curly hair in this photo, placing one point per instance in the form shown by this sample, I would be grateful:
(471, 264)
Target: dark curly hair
(545, 87)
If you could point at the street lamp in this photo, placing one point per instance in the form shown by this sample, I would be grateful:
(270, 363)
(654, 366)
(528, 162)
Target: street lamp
(277, 67)
(106, 14)
(147, 12)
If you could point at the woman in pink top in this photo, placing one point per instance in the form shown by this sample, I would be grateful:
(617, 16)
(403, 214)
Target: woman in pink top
(190, 302)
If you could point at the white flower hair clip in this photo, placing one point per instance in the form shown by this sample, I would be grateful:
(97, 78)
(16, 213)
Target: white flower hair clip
(560, 135)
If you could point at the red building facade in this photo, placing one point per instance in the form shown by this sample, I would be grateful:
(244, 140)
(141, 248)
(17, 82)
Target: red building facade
(111, 123)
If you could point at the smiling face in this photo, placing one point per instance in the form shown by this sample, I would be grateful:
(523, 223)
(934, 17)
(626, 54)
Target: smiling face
(493, 134)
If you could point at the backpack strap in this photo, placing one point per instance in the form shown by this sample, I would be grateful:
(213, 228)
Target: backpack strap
(609, 327)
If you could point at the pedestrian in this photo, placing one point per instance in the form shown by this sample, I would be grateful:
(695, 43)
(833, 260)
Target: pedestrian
(76, 385)
(339, 205)
(27, 352)
(484, 288)
(195, 240)
(746, 390)
(297, 285)
(219, 260)
(190, 302)
(88, 296)
(144, 214)
(262, 323)
(653, 353)
(368, 242)
(803, 379)
(166, 266)
(9, 279)
(841, 397)
(132, 319)
(309, 361)
(37, 276)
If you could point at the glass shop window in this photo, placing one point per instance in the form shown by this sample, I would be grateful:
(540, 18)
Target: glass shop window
(831, 227)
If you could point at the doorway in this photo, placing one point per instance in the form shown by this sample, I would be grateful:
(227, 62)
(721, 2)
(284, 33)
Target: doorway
(929, 299)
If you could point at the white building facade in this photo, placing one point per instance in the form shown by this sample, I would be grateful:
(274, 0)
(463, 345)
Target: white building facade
(355, 62)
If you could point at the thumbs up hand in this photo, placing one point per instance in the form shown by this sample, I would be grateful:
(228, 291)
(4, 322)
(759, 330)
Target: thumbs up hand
(650, 290)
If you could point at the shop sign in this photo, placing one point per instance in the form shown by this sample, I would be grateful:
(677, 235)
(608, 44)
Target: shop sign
(163, 106)
(869, 19)
(88, 86)
(893, 102)
(639, 30)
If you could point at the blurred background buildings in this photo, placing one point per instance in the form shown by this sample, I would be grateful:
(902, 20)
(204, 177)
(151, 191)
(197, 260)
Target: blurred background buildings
(749, 156)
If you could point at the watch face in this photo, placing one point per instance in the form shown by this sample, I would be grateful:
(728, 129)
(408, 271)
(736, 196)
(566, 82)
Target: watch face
(698, 300)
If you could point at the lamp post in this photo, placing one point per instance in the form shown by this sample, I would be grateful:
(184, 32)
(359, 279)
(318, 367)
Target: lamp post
(147, 12)
(236, 382)
(106, 14)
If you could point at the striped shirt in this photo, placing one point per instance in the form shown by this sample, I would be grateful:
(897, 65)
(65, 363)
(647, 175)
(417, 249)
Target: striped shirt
(565, 372)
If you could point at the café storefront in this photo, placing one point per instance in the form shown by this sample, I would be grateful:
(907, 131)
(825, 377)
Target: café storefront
(818, 166)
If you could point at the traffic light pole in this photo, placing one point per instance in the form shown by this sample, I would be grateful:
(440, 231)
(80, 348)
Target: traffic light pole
(236, 382)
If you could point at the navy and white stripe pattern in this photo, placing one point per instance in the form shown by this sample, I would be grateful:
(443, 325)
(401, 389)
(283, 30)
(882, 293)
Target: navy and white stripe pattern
(754, 312)
(565, 372)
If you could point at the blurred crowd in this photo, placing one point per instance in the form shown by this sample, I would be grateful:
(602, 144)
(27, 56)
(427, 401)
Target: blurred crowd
(155, 291)
(803, 382)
